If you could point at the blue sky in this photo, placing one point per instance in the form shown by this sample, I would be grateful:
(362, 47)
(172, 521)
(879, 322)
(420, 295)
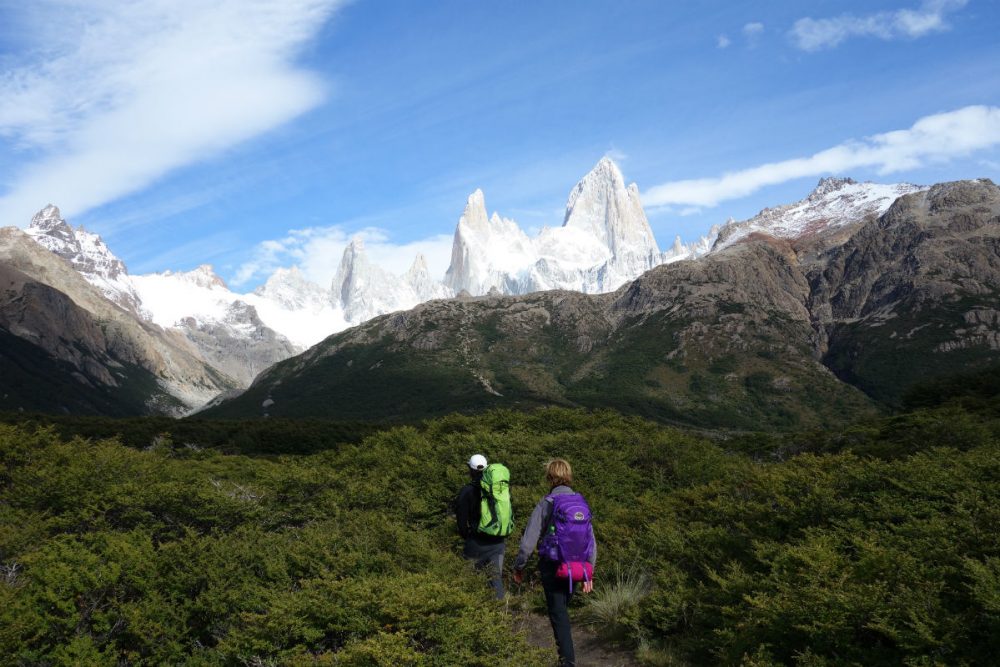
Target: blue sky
(253, 134)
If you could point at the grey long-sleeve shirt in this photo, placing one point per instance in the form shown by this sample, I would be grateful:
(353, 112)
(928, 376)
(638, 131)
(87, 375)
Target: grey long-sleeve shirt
(540, 518)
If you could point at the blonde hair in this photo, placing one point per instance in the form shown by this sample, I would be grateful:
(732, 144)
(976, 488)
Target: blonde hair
(558, 472)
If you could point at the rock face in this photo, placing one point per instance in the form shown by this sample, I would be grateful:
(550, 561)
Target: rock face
(913, 294)
(487, 252)
(602, 207)
(88, 254)
(362, 290)
(744, 337)
(239, 344)
(45, 317)
(604, 241)
(51, 305)
(228, 334)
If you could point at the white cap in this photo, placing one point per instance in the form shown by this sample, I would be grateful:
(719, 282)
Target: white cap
(477, 462)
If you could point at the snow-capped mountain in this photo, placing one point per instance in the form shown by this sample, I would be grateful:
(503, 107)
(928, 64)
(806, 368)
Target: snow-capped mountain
(604, 241)
(835, 202)
(363, 290)
(487, 252)
(287, 305)
(291, 290)
(88, 254)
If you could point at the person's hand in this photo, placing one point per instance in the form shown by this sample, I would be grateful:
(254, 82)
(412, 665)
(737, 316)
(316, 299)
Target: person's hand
(518, 577)
(588, 586)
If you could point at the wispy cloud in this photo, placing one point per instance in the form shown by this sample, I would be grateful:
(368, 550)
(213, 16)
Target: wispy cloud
(722, 41)
(127, 92)
(753, 30)
(811, 34)
(616, 154)
(931, 139)
(317, 252)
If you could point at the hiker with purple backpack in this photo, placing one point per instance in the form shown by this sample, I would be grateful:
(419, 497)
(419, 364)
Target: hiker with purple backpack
(560, 528)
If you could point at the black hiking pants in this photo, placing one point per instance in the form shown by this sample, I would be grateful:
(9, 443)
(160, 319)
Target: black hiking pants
(488, 556)
(557, 601)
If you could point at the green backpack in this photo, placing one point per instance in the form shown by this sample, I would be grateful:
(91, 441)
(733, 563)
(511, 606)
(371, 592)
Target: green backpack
(496, 517)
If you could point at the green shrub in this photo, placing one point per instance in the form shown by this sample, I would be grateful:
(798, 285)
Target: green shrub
(874, 545)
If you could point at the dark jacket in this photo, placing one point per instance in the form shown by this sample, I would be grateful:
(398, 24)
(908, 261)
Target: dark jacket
(467, 512)
(540, 519)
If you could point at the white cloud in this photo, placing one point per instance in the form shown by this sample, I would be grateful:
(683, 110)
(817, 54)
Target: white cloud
(814, 34)
(616, 154)
(722, 41)
(753, 30)
(931, 139)
(126, 92)
(317, 252)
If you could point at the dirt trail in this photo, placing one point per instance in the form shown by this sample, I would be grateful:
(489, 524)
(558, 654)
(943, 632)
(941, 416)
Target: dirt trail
(591, 651)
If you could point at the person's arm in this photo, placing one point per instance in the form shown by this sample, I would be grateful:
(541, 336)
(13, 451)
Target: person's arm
(531, 533)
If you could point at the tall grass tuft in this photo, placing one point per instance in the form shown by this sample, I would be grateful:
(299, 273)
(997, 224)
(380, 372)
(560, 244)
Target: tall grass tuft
(613, 606)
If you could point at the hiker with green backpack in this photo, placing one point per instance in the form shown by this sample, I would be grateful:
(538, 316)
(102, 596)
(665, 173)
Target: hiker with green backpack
(485, 518)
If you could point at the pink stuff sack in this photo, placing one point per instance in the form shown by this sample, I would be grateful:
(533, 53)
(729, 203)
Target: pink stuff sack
(575, 571)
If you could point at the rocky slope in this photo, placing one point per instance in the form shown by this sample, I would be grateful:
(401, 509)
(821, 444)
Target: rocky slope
(88, 254)
(685, 342)
(227, 333)
(915, 293)
(226, 330)
(174, 379)
(56, 357)
(745, 336)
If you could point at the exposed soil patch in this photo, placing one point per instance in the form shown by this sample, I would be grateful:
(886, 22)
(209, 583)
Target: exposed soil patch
(591, 650)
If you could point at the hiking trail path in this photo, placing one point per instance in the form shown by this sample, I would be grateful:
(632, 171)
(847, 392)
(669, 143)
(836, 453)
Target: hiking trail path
(591, 650)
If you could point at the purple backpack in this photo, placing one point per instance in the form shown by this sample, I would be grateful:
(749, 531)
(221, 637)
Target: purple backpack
(568, 538)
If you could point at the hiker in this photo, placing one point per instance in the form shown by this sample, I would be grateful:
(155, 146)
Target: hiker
(485, 518)
(560, 527)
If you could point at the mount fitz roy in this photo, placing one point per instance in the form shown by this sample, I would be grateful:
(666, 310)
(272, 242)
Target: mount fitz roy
(604, 242)
(824, 321)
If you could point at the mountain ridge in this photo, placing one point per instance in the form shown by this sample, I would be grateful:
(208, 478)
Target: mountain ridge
(233, 332)
(756, 333)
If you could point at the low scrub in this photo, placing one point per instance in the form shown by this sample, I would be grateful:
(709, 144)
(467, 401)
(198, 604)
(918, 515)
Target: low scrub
(874, 546)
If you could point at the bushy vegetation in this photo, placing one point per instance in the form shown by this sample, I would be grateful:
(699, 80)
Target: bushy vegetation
(270, 436)
(872, 546)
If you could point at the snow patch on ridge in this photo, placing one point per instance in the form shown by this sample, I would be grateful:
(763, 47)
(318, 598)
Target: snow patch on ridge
(834, 202)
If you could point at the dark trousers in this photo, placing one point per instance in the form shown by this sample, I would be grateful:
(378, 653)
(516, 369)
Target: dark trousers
(488, 557)
(557, 602)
